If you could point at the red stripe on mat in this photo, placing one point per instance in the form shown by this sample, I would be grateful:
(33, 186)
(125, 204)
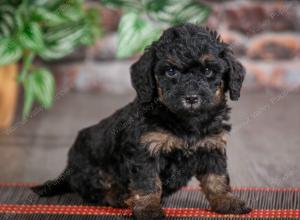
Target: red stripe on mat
(264, 189)
(171, 212)
(17, 184)
(187, 188)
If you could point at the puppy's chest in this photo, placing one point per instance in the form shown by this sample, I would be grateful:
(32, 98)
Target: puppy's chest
(164, 143)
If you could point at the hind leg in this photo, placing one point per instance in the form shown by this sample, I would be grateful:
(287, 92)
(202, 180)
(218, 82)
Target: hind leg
(89, 184)
(98, 186)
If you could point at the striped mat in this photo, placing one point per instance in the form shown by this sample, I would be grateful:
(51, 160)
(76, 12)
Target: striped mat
(17, 202)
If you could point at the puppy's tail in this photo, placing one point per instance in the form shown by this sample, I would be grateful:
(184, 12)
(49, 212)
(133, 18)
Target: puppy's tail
(57, 186)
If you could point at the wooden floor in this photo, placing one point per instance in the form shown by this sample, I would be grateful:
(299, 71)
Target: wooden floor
(263, 150)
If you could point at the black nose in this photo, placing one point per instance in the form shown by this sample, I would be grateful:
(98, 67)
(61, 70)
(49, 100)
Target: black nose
(192, 99)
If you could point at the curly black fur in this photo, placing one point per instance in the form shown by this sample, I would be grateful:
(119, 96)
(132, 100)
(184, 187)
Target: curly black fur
(155, 144)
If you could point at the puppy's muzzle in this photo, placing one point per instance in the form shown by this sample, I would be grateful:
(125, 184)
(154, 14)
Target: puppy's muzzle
(191, 101)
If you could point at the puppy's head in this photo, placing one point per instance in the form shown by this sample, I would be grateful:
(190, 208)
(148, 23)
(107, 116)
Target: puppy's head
(188, 69)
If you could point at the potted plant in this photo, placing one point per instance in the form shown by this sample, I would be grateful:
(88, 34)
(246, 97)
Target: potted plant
(30, 29)
(51, 29)
(8, 94)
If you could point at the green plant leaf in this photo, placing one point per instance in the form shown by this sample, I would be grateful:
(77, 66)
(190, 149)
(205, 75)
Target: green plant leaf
(6, 24)
(57, 51)
(92, 28)
(134, 34)
(39, 86)
(62, 31)
(115, 3)
(72, 12)
(28, 96)
(193, 12)
(43, 86)
(62, 41)
(177, 11)
(156, 6)
(125, 4)
(31, 37)
(44, 3)
(48, 17)
(10, 51)
(19, 22)
(7, 20)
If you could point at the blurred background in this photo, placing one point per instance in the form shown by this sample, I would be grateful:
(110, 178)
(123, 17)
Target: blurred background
(64, 65)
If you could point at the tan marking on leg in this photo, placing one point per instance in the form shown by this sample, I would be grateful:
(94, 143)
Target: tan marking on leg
(146, 205)
(215, 187)
(218, 193)
(214, 142)
(112, 190)
(115, 197)
(138, 199)
(213, 184)
(161, 142)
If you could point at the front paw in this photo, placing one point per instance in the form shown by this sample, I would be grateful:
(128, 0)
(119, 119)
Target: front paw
(230, 205)
(149, 213)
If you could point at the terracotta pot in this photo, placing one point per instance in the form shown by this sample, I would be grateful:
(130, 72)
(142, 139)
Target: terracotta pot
(8, 94)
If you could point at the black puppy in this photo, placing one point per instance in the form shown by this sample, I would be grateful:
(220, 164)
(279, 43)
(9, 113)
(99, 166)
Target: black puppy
(175, 129)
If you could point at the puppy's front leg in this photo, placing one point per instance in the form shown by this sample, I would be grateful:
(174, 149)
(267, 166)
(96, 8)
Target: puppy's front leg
(145, 194)
(214, 178)
(218, 192)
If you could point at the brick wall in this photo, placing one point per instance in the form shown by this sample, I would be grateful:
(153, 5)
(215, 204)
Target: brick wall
(264, 34)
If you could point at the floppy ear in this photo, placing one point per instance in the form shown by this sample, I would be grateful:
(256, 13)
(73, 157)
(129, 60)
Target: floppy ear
(234, 75)
(142, 77)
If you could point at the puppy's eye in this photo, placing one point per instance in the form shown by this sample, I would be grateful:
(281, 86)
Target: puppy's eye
(171, 72)
(208, 73)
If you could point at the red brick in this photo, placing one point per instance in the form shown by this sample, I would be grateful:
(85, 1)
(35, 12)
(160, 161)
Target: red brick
(252, 17)
(283, 74)
(110, 19)
(273, 46)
